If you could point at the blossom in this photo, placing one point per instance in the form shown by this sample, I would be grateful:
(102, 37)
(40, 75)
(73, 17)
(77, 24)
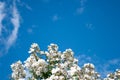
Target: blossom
(30, 60)
(34, 48)
(18, 70)
(55, 65)
(113, 76)
(52, 48)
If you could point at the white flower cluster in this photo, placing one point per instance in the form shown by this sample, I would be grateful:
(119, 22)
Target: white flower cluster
(34, 48)
(89, 72)
(114, 76)
(55, 65)
(18, 70)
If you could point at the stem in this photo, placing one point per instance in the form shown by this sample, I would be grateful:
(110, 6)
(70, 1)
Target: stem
(35, 57)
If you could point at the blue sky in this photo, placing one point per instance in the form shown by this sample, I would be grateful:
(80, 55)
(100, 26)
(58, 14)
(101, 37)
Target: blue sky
(91, 28)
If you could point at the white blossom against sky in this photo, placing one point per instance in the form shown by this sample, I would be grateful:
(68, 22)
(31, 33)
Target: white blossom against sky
(91, 28)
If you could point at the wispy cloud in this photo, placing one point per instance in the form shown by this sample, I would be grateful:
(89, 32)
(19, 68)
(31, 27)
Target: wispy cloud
(2, 15)
(23, 4)
(102, 66)
(15, 20)
(82, 2)
(30, 30)
(90, 26)
(6, 41)
(83, 59)
(114, 61)
(45, 1)
(80, 9)
(56, 17)
(108, 66)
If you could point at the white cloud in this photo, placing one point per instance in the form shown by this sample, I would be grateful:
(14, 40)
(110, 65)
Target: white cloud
(2, 15)
(115, 61)
(30, 30)
(80, 9)
(102, 66)
(83, 59)
(55, 18)
(103, 69)
(15, 20)
(82, 2)
(23, 4)
(90, 26)
(28, 7)
(108, 66)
